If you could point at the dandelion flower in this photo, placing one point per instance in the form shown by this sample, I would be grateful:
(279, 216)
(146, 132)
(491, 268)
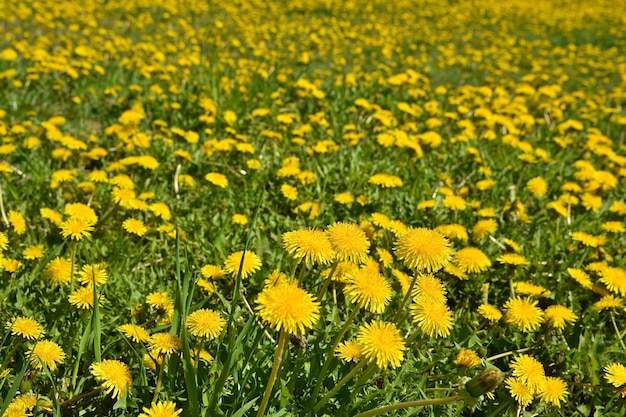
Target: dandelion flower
(46, 352)
(76, 228)
(93, 273)
(529, 371)
(134, 332)
(344, 198)
(524, 313)
(554, 391)
(54, 216)
(285, 306)
(385, 257)
(427, 286)
(4, 241)
(81, 211)
(513, 259)
(161, 409)
(341, 271)
(519, 391)
(386, 180)
(208, 286)
(160, 301)
(588, 239)
(83, 298)
(161, 210)
(615, 373)
(25, 327)
(310, 245)
(58, 271)
(289, 192)
(251, 263)
(606, 302)
(240, 219)
(615, 279)
(348, 241)
(454, 202)
(613, 227)
(164, 343)
(537, 186)
(381, 343)
(135, 226)
(467, 358)
(211, 271)
(471, 260)
(581, 277)
(489, 312)
(217, 179)
(17, 221)
(483, 228)
(33, 252)
(432, 317)
(367, 288)
(423, 249)
(453, 231)
(349, 351)
(527, 288)
(205, 323)
(114, 377)
(558, 316)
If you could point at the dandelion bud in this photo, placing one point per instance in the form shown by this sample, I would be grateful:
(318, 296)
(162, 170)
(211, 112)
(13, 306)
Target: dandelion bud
(486, 381)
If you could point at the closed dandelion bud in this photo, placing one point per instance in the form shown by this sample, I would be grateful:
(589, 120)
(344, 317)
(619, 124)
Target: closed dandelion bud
(486, 381)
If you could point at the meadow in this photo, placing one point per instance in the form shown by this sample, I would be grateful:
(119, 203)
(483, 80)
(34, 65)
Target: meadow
(312, 208)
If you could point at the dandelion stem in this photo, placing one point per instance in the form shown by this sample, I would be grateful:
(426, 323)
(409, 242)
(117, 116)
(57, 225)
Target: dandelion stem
(409, 404)
(339, 385)
(4, 215)
(330, 352)
(327, 281)
(619, 335)
(157, 388)
(510, 352)
(404, 300)
(302, 269)
(270, 383)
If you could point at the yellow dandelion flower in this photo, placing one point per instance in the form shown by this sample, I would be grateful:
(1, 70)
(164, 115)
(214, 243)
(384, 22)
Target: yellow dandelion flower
(558, 316)
(54, 216)
(614, 279)
(454, 270)
(606, 302)
(427, 286)
(381, 343)
(135, 226)
(489, 312)
(344, 198)
(33, 252)
(513, 259)
(93, 273)
(160, 301)
(161, 210)
(309, 208)
(524, 313)
(18, 222)
(385, 257)
(11, 265)
(454, 202)
(289, 192)
(161, 409)
(205, 323)
(81, 211)
(512, 244)
(164, 344)
(211, 271)
(217, 179)
(527, 288)
(588, 239)
(471, 260)
(349, 351)
(114, 377)
(25, 327)
(348, 241)
(613, 227)
(433, 317)
(423, 249)
(240, 219)
(285, 306)
(76, 228)
(483, 228)
(4, 241)
(134, 332)
(453, 231)
(341, 273)
(58, 271)
(553, 391)
(310, 245)
(519, 391)
(46, 352)
(207, 286)
(467, 358)
(615, 373)
(537, 186)
(16, 409)
(581, 277)
(530, 372)
(427, 204)
(386, 180)
(83, 298)
(367, 288)
(250, 263)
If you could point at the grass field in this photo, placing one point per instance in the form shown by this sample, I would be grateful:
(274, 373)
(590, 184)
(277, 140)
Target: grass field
(312, 208)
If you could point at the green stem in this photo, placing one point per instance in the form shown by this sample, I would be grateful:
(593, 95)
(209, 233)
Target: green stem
(157, 388)
(330, 353)
(4, 216)
(74, 244)
(409, 404)
(396, 318)
(619, 335)
(270, 383)
(327, 281)
(339, 385)
(302, 269)
(502, 355)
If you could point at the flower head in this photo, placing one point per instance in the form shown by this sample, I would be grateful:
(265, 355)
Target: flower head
(615, 373)
(76, 228)
(524, 313)
(205, 323)
(381, 343)
(368, 289)
(348, 241)
(164, 343)
(113, 375)
(46, 352)
(554, 391)
(519, 391)
(349, 351)
(134, 332)
(58, 271)
(93, 273)
(310, 245)
(285, 306)
(135, 226)
(489, 312)
(558, 316)
(250, 264)
(471, 260)
(25, 327)
(423, 249)
(161, 409)
(432, 316)
(217, 179)
(529, 371)
(467, 358)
